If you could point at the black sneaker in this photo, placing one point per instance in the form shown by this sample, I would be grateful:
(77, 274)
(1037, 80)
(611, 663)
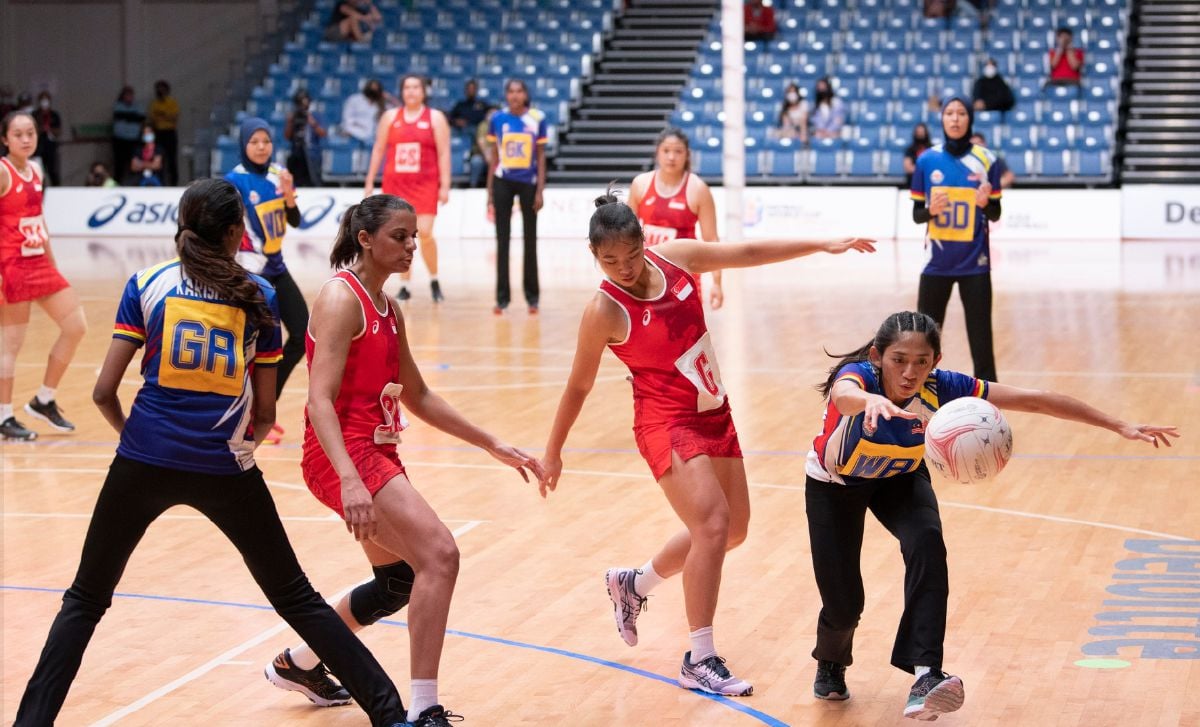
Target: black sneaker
(403, 295)
(436, 290)
(436, 716)
(315, 683)
(934, 694)
(10, 428)
(49, 413)
(830, 682)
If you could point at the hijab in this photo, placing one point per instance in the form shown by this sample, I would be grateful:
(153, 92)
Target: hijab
(251, 124)
(958, 147)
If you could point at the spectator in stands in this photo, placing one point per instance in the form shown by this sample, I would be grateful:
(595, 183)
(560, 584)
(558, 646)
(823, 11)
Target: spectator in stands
(353, 21)
(940, 8)
(1007, 176)
(146, 167)
(99, 176)
(305, 132)
(517, 161)
(1066, 61)
(361, 112)
(164, 117)
(793, 115)
(920, 142)
(758, 20)
(465, 117)
(829, 112)
(126, 128)
(49, 130)
(991, 91)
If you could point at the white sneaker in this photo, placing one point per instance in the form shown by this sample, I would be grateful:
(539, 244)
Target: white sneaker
(712, 676)
(627, 604)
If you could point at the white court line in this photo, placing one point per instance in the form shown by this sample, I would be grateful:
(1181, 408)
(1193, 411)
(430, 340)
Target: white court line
(761, 486)
(228, 655)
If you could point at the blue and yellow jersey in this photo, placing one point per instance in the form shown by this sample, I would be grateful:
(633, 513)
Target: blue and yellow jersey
(516, 139)
(846, 450)
(958, 237)
(195, 407)
(266, 220)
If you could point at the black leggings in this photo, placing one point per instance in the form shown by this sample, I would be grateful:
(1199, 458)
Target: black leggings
(503, 192)
(293, 314)
(133, 496)
(907, 507)
(975, 291)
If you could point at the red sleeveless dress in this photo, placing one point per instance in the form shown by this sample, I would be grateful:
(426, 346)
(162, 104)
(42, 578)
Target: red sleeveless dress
(26, 271)
(410, 165)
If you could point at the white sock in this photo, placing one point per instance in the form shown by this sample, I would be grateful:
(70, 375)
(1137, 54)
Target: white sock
(424, 696)
(5, 411)
(647, 580)
(304, 657)
(921, 670)
(45, 395)
(702, 644)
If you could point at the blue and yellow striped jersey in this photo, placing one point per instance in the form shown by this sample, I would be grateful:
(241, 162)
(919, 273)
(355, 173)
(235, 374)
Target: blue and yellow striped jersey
(195, 408)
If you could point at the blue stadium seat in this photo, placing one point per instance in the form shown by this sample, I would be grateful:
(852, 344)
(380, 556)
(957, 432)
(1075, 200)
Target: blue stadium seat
(1093, 164)
(709, 164)
(1018, 162)
(781, 163)
(1052, 163)
(861, 163)
(754, 164)
(825, 162)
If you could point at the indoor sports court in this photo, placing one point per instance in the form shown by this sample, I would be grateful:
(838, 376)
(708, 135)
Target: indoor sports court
(1074, 574)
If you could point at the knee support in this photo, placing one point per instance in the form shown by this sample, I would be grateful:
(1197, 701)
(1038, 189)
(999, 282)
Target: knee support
(384, 595)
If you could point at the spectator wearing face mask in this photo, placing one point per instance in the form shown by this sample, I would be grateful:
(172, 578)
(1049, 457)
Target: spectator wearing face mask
(98, 176)
(361, 112)
(991, 92)
(793, 115)
(920, 143)
(146, 167)
(49, 130)
(829, 113)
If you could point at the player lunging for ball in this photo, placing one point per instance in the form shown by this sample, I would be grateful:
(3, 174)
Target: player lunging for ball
(869, 455)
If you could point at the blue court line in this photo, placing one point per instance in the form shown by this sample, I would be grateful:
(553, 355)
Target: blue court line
(724, 701)
(11, 449)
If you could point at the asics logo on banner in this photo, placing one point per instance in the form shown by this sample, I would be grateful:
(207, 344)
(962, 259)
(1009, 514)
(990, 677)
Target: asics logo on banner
(313, 214)
(140, 213)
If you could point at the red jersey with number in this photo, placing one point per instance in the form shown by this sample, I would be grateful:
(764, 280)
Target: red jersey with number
(368, 402)
(668, 349)
(666, 218)
(410, 166)
(22, 227)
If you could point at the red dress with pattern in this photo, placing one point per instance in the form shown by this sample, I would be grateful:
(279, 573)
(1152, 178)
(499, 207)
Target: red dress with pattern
(410, 165)
(367, 405)
(26, 271)
(679, 401)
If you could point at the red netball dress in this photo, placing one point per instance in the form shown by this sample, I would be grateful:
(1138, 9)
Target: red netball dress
(679, 401)
(666, 218)
(367, 405)
(26, 271)
(410, 165)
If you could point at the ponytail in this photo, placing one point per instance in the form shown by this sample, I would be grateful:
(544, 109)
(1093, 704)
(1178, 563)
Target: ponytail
(888, 334)
(368, 215)
(207, 210)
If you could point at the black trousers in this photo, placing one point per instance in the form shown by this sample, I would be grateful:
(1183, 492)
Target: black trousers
(133, 496)
(907, 507)
(503, 192)
(293, 314)
(167, 141)
(975, 291)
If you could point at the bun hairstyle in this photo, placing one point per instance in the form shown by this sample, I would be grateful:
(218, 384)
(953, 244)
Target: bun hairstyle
(208, 208)
(614, 220)
(368, 215)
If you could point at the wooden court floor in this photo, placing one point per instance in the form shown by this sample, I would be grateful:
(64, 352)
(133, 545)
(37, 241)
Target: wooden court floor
(1045, 576)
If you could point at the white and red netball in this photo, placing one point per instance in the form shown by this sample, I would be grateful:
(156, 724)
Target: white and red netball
(968, 440)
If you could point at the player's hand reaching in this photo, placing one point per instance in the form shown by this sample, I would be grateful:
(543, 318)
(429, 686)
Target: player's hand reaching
(519, 460)
(287, 183)
(939, 202)
(553, 466)
(880, 406)
(862, 244)
(358, 509)
(1149, 433)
